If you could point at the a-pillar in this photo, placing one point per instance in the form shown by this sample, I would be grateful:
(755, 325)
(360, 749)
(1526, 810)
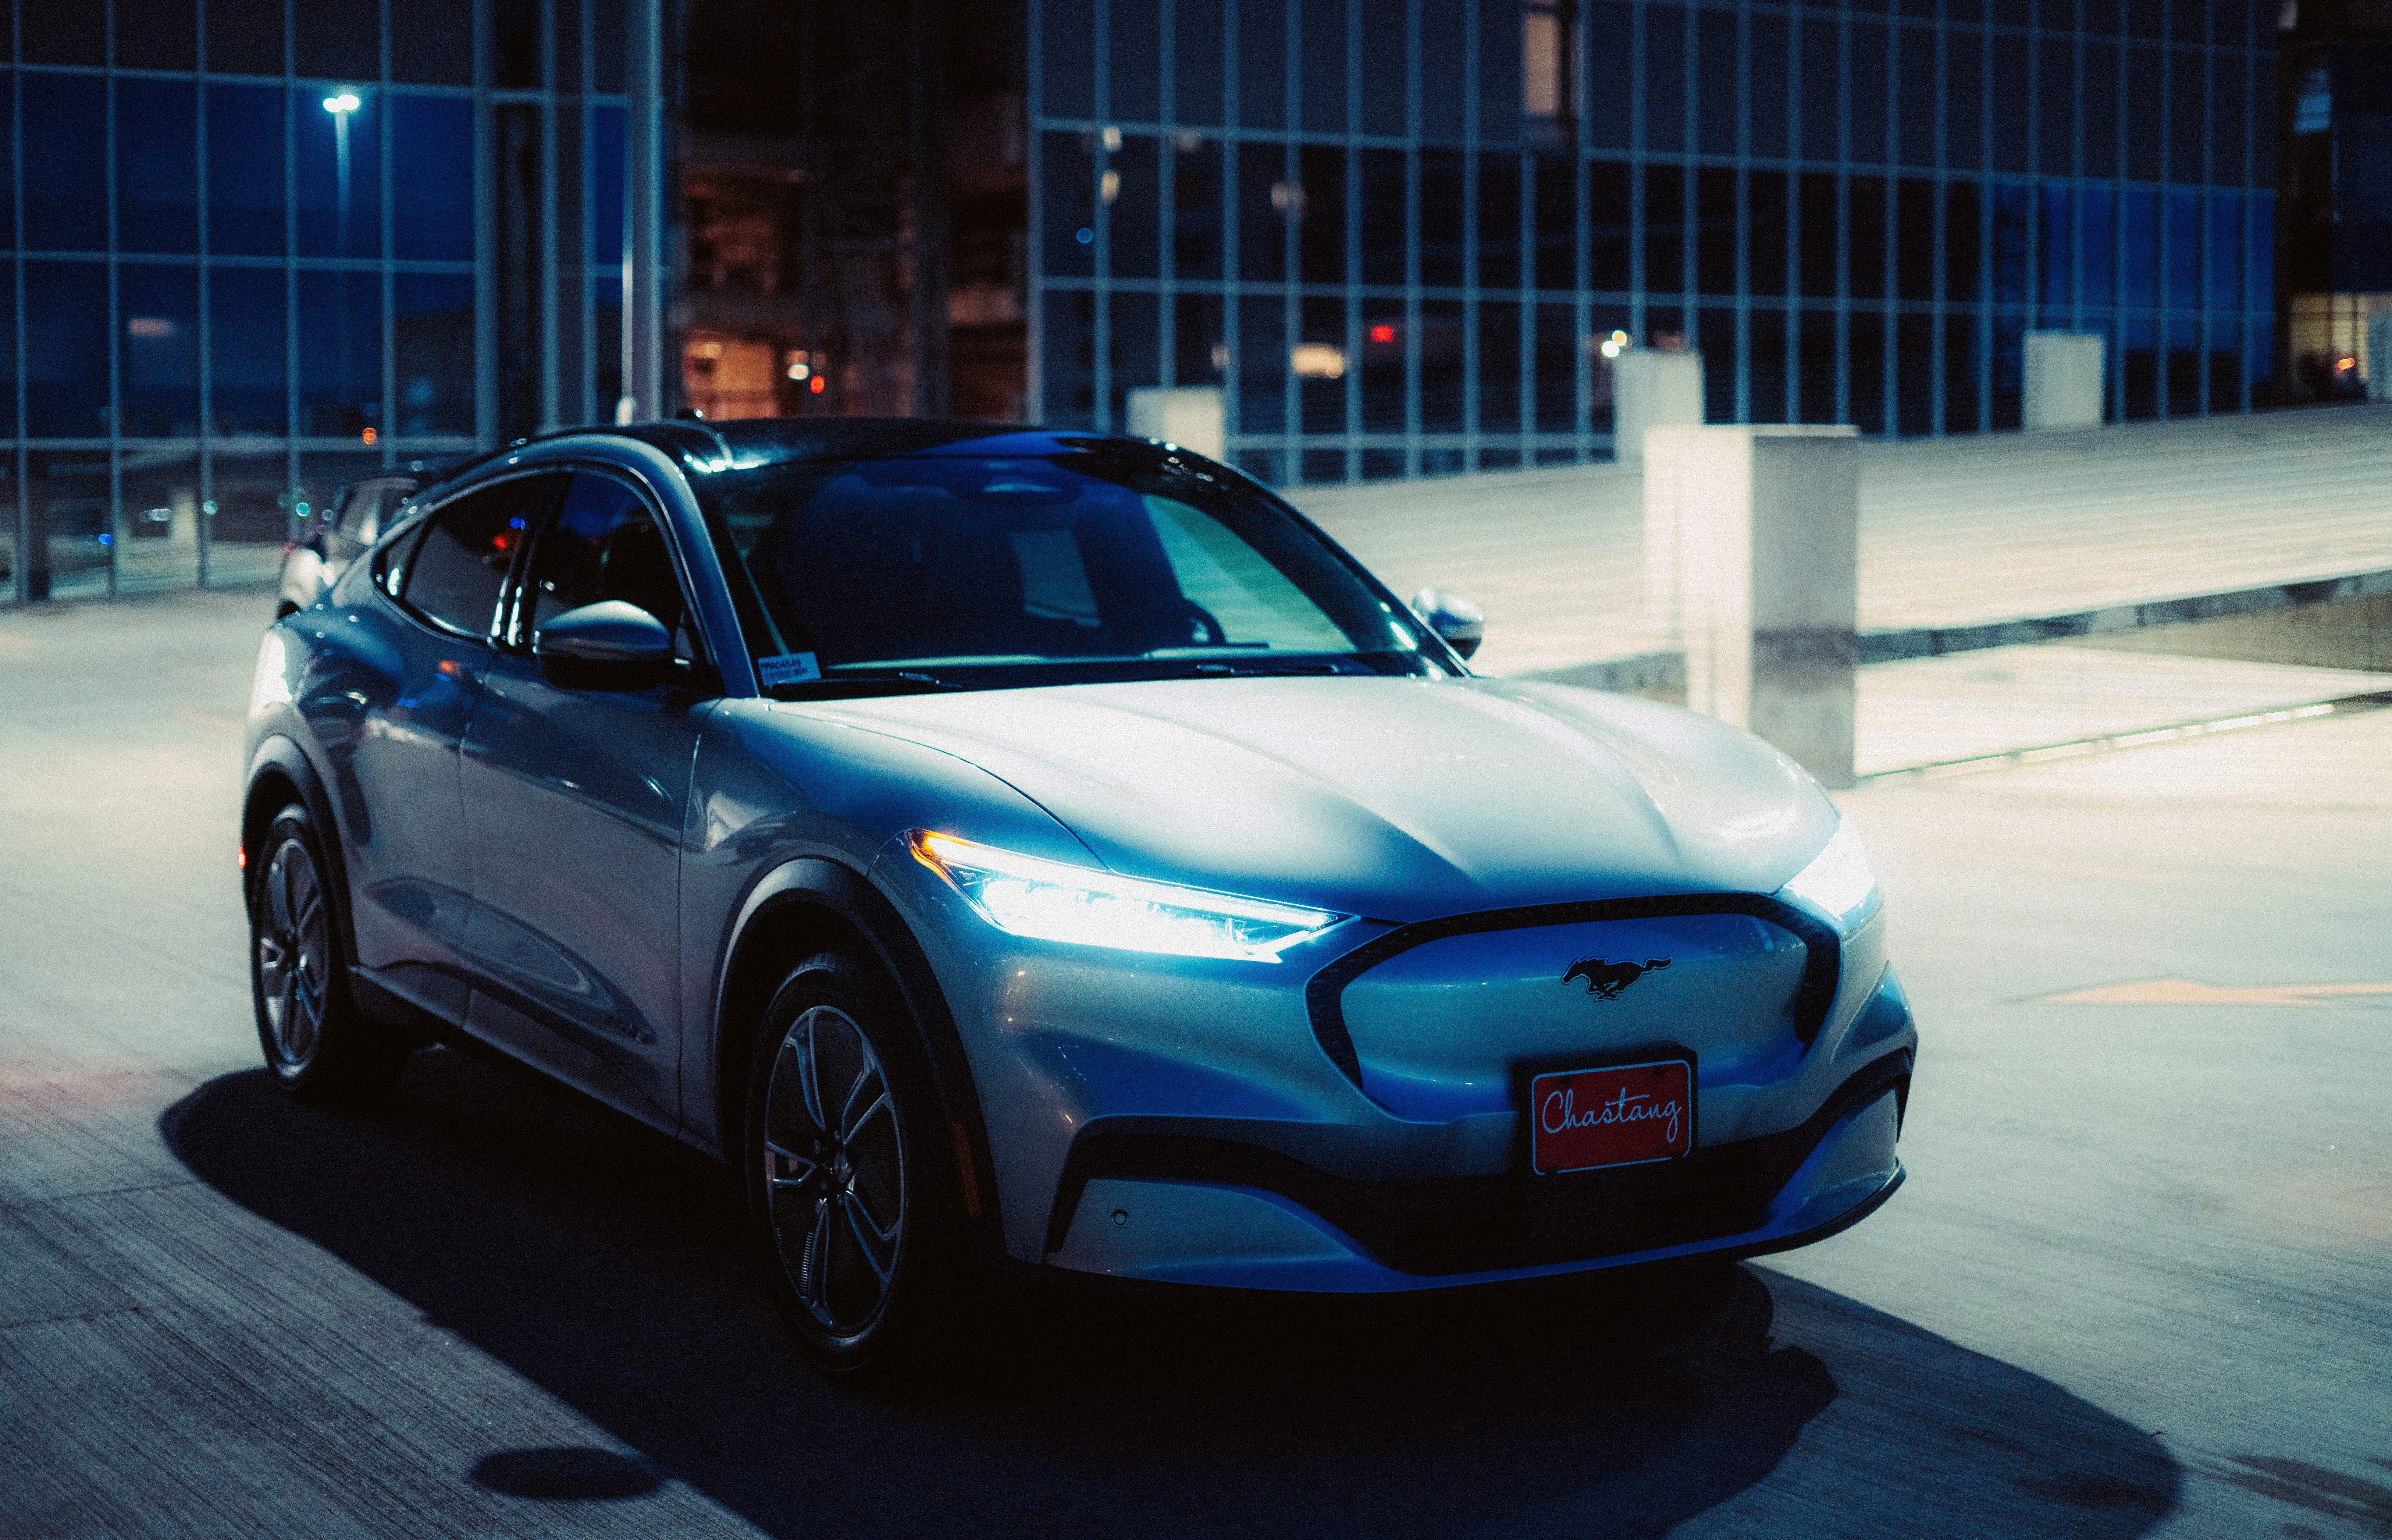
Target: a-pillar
(1752, 550)
(2063, 380)
(1192, 416)
(1651, 388)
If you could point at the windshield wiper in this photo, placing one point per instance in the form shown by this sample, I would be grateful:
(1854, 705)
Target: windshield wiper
(863, 682)
(1256, 669)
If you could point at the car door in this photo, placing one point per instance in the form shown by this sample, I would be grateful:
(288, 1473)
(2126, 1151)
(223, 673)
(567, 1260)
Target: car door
(416, 667)
(575, 803)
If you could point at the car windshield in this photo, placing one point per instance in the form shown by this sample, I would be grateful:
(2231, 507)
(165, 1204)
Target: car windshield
(948, 572)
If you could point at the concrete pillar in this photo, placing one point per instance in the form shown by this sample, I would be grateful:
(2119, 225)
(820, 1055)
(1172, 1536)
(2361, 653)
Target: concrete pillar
(2379, 355)
(1187, 415)
(2063, 380)
(1752, 550)
(1652, 389)
(184, 528)
(644, 217)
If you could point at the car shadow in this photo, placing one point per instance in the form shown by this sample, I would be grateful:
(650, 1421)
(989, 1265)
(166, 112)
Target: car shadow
(605, 1265)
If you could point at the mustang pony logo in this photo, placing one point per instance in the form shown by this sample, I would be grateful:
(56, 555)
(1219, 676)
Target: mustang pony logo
(1604, 980)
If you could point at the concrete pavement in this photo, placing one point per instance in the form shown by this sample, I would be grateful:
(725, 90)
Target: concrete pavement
(2139, 1282)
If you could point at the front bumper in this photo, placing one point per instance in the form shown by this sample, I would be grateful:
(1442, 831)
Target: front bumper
(1198, 1212)
(1272, 1142)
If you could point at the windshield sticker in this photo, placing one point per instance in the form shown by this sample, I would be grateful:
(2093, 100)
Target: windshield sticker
(788, 669)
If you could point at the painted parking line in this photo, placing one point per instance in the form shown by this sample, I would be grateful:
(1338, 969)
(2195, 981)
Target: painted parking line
(2191, 991)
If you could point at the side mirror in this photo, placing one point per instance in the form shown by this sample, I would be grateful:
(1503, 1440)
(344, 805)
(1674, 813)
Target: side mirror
(1460, 623)
(609, 646)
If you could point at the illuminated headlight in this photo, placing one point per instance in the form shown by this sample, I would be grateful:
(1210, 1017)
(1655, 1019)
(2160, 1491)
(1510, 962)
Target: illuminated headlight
(1838, 879)
(1024, 896)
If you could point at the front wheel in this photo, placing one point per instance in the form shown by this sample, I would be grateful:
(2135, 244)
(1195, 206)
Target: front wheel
(317, 1043)
(852, 1193)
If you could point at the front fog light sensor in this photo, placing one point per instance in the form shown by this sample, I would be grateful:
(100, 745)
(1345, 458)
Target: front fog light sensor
(1025, 896)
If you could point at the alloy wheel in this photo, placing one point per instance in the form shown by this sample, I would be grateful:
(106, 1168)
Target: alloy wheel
(293, 953)
(834, 1170)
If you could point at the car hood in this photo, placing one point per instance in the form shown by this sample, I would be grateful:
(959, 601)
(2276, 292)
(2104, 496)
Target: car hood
(1396, 798)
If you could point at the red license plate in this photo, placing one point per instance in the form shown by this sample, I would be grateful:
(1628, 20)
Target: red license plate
(1623, 1115)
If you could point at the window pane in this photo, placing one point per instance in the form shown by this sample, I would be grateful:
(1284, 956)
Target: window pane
(1136, 208)
(1384, 216)
(1557, 260)
(455, 575)
(1068, 59)
(245, 40)
(66, 175)
(157, 175)
(66, 351)
(2096, 259)
(432, 199)
(432, 326)
(1606, 224)
(340, 178)
(435, 42)
(1069, 205)
(159, 308)
(1197, 57)
(340, 354)
(1196, 209)
(1441, 218)
(2184, 250)
(1262, 63)
(2140, 284)
(1321, 211)
(245, 170)
(245, 345)
(1499, 221)
(607, 144)
(157, 519)
(2226, 254)
(604, 544)
(1665, 240)
(1665, 79)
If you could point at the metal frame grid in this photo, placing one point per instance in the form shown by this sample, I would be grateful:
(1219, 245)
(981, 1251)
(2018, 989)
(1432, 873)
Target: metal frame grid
(1945, 359)
(566, 282)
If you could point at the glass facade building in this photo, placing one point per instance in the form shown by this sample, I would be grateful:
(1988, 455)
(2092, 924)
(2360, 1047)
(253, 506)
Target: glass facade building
(260, 247)
(1400, 235)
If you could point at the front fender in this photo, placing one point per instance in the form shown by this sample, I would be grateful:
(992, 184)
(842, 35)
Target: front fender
(813, 900)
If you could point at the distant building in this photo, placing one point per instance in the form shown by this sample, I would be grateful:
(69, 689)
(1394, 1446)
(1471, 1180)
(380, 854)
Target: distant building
(259, 247)
(2334, 281)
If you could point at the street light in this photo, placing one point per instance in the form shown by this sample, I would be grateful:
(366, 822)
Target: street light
(340, 106)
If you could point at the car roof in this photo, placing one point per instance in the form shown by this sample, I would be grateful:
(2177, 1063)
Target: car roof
(748, 443)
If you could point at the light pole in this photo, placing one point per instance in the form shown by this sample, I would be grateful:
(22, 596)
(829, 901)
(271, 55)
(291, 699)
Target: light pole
(340, 106)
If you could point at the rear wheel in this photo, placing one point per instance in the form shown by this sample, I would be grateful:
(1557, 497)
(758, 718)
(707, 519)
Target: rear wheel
(852, 1191)
(318, 1045)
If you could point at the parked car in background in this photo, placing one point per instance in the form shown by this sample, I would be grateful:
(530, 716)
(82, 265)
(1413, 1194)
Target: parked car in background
(350, 522)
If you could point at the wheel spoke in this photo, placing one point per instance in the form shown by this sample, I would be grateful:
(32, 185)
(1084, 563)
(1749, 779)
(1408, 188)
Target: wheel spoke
(851, 1122)
(879, 1249)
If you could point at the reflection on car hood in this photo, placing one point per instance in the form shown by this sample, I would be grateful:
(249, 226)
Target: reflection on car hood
(1396, 798)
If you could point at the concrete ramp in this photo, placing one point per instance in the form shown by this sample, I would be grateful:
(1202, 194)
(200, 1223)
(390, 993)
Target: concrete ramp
(1963, 540)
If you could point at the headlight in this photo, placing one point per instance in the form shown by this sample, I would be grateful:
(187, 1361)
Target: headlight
(1838, 879)
(1024, 896)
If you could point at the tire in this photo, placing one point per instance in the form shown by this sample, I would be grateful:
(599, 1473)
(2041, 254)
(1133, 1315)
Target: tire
(320, 1048)
(852, 1185)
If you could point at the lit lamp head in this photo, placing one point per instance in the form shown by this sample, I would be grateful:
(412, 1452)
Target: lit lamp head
(343, 103)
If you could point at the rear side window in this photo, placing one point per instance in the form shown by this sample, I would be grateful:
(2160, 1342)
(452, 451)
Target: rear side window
(459, 567)
(361, 516)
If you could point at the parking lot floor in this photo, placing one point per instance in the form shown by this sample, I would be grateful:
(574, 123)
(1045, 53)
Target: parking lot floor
(2138, 1282)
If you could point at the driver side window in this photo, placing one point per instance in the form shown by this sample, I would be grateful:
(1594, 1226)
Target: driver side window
(605, 542)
